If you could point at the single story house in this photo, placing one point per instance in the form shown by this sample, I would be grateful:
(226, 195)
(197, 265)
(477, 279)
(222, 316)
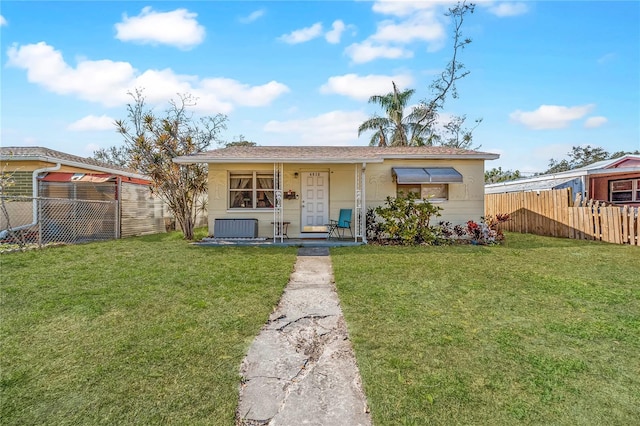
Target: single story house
(616, 181)
(43, 172)
(294, 191)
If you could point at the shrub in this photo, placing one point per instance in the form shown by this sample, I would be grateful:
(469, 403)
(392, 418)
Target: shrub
(487, 231)
(374, 231)
(406, 220)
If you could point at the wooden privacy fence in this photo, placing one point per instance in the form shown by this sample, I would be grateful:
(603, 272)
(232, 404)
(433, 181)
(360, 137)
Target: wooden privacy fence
(554, 213)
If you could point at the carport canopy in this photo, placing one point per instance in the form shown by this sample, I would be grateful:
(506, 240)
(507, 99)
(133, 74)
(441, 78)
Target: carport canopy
(408, 175)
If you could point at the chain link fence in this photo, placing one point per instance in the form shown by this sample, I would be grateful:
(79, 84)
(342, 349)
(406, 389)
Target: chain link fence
(42, 221)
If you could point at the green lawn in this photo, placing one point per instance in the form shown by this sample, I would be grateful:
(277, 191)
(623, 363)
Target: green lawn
(152, 330)
(138, 331)
(538, 331)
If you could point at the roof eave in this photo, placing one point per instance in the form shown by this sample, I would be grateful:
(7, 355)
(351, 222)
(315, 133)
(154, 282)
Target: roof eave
(440, 156)
(614, 171)
(569, 174)
(48, 159)
(377, 159)
(186, 160)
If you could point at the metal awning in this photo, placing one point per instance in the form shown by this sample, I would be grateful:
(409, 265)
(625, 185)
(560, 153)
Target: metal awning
(77, 177)
(426, 175)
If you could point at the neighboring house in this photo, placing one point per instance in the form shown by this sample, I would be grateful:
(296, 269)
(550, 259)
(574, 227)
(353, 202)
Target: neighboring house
(43, 172)
(297, 190)
(615, 181)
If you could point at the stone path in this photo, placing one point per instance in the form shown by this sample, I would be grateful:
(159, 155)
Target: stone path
(300, 369)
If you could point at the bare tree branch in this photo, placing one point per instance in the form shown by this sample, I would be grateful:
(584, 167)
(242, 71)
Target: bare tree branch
(156, 140)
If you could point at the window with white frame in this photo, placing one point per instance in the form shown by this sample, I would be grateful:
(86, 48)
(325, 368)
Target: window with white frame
(431, 183)
(430, 191)
(251, 190)
(624, 191)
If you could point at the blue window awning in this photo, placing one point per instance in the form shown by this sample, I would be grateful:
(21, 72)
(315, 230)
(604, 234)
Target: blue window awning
(408, 175)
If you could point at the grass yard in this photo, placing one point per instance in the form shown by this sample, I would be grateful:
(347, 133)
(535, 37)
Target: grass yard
(538, 331)
(152, 330)
(143, 330)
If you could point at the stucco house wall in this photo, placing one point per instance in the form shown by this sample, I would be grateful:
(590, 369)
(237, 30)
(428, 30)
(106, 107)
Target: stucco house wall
(465, 201)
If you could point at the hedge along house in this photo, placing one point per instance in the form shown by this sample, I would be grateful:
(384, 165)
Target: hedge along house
(128, 206)
(294, 192)
(616, 181)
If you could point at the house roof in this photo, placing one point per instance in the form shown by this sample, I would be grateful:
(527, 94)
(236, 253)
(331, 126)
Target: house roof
(530, 185)
(611, 163)
(606, 167)
(329, 154)
(36, 153)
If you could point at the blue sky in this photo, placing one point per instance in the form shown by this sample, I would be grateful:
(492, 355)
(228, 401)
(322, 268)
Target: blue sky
(545, 76)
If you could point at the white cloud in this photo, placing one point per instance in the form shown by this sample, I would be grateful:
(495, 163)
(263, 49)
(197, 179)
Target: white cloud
(402, 8)
(253, 16)
(416, 21)
(408, 22)
(423, 26)
(107, 82)
(3, 21)
(91, 122)
(504, 9)
(98, 81)
(333, 36)
(303, 35)
(593, 122)
(166, 83)
(550, 116)
(362, 87)
(367, 51)
(177, 28)
(335, 128)
(243, 94)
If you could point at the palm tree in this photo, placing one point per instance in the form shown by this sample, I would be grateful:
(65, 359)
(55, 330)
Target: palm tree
(395, 129)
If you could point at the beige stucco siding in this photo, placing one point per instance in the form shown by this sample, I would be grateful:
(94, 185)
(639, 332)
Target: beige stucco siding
(466, 200)
(341, 193)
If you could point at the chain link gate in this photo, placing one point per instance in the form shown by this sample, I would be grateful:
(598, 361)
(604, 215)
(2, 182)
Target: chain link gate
(41, 221)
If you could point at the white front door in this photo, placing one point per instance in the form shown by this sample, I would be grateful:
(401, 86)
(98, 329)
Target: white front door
(315, 198)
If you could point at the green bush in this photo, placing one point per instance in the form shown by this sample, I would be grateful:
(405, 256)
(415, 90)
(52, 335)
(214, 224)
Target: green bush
(406, 220)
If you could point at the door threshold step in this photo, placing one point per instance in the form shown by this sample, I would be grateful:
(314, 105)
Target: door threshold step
(313, 235)
(315, 228)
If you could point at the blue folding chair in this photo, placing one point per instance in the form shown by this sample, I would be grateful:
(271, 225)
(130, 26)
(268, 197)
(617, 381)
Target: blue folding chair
(338, 227)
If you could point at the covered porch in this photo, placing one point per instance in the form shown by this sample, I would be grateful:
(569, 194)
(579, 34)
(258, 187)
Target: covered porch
(320, 203)
(285, 201)
(289, 194)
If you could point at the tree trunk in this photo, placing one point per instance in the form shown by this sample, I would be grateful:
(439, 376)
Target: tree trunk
(186, 224)
(188, 229)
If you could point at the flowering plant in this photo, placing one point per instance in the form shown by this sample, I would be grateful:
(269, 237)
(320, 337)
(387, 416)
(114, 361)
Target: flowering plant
(487, 232)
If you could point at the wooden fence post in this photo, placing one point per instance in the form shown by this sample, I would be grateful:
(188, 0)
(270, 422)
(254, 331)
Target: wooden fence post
(556, 213)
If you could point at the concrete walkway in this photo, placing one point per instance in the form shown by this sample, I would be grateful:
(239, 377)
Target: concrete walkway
(300, 369)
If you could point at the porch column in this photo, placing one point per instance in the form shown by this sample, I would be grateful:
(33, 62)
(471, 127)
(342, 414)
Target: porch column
(278, 213)
(360, 206)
